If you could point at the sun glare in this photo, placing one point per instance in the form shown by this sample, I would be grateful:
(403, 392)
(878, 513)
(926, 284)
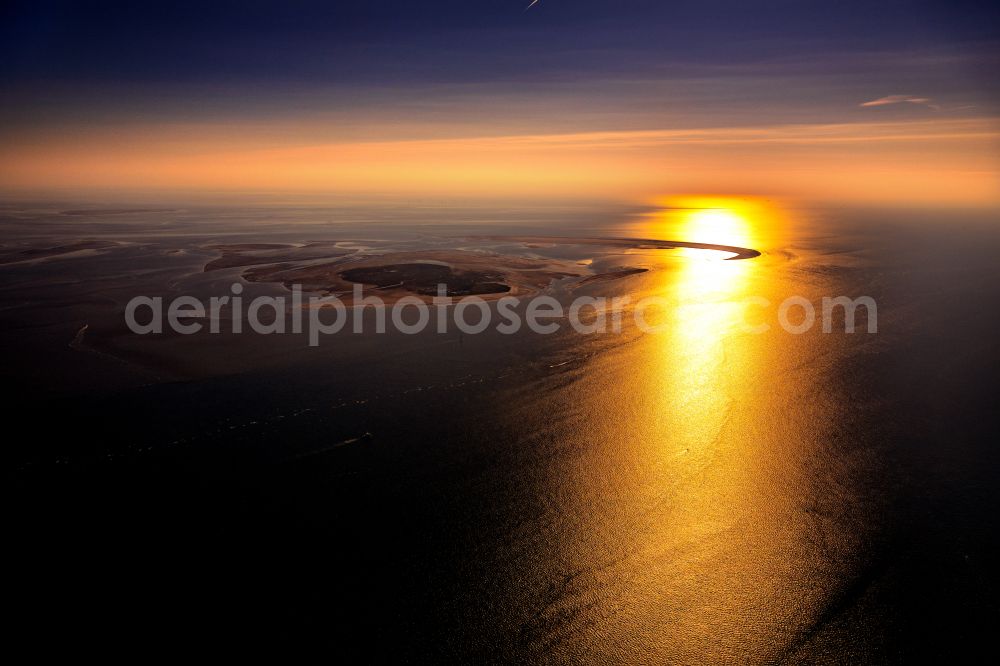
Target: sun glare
(719, 220)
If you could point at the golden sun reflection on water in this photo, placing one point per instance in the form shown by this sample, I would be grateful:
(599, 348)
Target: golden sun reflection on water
(705, 291)
(699, 452)
(701, 346)
(707, 369)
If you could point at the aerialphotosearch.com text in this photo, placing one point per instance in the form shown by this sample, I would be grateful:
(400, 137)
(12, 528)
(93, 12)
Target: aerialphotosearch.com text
(320, 316)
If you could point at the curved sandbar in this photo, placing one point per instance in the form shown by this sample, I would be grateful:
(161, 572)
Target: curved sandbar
(635, 243)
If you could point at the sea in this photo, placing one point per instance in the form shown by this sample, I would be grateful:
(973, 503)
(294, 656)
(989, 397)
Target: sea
(741, 480)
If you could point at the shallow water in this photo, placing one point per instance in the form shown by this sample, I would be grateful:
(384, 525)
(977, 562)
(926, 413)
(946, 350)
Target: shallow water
(698, 494)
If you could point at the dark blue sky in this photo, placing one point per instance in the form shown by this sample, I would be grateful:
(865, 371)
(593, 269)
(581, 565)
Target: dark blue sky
(450, 41)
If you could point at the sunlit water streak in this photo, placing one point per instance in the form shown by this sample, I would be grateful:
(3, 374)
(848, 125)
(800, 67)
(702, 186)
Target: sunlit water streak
(689, 533)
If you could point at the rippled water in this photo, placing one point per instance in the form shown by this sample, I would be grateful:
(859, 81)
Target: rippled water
(698, 494)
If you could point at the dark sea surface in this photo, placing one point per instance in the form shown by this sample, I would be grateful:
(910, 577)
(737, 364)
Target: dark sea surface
(697, 494)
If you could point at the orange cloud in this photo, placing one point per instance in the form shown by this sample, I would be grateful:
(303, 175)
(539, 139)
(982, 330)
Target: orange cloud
(901, 99)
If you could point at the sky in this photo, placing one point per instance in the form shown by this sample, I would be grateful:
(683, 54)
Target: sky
(871, 102)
